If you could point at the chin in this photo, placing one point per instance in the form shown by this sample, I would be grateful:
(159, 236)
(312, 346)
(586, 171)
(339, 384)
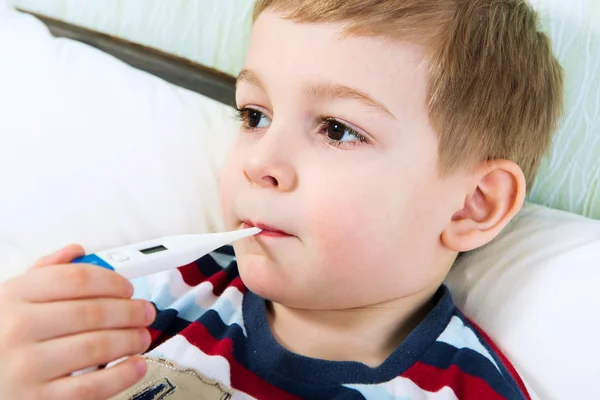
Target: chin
(260, 275)
(265, 279)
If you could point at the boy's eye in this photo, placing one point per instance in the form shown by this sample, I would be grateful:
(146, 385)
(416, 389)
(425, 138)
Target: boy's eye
(339, 132)
(253, 119)
(257, 119)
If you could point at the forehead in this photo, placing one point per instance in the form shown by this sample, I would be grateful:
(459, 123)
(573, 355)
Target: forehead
(290, 55)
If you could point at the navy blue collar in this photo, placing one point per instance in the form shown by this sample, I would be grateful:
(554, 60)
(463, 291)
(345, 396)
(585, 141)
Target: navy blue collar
(270, 358)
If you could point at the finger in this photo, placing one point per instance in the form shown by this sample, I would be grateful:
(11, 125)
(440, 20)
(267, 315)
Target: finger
(62, 256)
(56, 319)
(63, 356)
(71, 282)
(97, 385)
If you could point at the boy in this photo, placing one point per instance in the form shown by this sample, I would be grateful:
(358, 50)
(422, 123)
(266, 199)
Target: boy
(379, 139)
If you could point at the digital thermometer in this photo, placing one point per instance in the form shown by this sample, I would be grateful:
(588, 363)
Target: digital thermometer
(157, 255)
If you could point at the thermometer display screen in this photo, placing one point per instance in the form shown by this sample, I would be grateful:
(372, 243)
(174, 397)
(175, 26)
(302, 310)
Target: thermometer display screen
(154, 249)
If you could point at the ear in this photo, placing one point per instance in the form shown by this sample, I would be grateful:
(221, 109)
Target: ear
(497, 196)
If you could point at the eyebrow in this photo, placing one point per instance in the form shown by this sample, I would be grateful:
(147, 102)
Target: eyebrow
(323, 89)
(247, 75)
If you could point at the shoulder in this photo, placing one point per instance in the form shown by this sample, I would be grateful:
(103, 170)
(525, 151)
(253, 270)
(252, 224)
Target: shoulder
(465, 359)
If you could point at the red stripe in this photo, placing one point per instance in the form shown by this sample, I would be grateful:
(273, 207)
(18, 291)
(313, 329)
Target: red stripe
(465, 386)
(511, 369)
(157, 338)
(220, 282)
(241, 378)
(191, 274)
(237, 283)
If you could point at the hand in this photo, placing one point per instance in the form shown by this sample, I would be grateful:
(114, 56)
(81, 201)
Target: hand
(59, 318)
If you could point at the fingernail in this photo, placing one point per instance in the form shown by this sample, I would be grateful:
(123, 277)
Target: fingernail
(146, 338)
(130, 289)
(149, 312)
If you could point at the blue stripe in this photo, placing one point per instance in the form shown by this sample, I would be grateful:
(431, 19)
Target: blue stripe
(442, 355)
(226, 250)
(378, 392)
(516, 390)
(209, 265)
(168, 324)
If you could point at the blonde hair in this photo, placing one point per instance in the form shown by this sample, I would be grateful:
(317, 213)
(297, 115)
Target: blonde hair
(495, 88)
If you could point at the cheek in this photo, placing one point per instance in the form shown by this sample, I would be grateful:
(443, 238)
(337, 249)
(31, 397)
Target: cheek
(347, 216)
(372, 222)
(229, 177)
(355, 243)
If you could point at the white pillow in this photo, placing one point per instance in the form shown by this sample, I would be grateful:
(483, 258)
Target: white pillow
(533, 291)
(95, 152)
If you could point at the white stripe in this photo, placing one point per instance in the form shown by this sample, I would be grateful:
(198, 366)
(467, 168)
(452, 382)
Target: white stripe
(185, 355)
(169, 290)
(459, 335)
(229, 307)
(222, 260)
(402, 388)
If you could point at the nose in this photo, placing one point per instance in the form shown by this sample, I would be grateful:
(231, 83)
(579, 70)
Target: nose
(268, 165)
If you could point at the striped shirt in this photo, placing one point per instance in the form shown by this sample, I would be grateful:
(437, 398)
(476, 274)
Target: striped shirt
(209, 322)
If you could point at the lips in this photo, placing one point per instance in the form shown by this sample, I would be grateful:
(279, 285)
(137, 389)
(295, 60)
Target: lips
(266, 229)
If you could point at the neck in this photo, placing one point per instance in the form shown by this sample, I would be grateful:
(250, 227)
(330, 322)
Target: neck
(368, 335)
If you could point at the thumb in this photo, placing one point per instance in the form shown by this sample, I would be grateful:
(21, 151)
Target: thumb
(62, 256)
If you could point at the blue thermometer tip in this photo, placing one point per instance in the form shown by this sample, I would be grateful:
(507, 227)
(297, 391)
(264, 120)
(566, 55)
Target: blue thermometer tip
(93, 259)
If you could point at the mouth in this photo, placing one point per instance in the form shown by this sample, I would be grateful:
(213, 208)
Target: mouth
(266, 230)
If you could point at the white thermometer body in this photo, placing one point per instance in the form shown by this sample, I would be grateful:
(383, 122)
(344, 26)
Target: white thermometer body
(157, 255)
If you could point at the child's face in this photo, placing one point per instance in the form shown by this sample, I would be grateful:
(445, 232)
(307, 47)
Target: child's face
(336, 151)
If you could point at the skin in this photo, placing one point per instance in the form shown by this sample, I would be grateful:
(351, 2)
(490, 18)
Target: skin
(373, 227)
